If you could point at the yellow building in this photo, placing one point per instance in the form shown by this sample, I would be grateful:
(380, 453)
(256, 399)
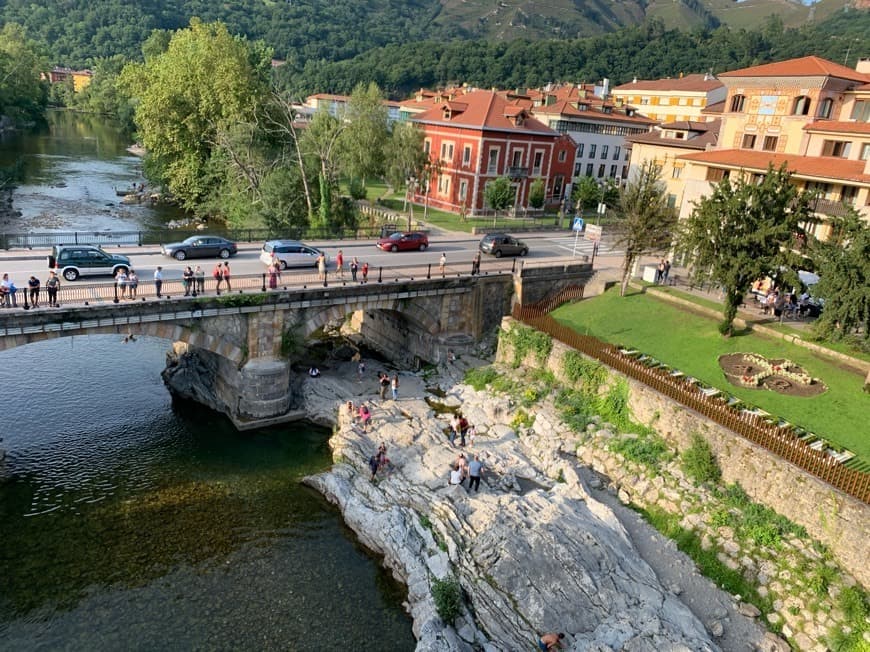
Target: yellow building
(672, 100)
(808, 113)
(665, 145)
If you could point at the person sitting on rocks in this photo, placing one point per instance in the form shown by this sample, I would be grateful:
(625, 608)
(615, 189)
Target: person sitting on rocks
(314, 372)
(549, 642)
(455, 475)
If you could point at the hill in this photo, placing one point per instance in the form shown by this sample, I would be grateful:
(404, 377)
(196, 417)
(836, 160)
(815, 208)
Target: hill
(75, 32)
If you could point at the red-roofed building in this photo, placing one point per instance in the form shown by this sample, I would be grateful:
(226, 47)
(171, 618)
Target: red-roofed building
(474, 137)
(808, 113)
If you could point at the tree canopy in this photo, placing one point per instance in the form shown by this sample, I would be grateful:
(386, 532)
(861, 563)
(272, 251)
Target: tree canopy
(23, 96)
(743, 231)
(499, 194)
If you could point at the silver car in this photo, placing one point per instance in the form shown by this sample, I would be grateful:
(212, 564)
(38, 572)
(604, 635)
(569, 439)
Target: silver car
(290, 253)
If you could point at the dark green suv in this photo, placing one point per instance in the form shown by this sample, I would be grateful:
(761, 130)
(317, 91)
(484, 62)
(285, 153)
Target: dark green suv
(72, 261)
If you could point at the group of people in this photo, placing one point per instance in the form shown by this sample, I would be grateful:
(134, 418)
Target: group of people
(463, 469)
(379, 460)
(128, 283)
(663, 271)
(9, 291)
(384, 382)
(784, 304)
(356, 269)
(459, 427)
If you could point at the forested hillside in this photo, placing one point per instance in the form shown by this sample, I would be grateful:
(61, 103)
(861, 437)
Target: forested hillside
(648, 52)
(76, 32)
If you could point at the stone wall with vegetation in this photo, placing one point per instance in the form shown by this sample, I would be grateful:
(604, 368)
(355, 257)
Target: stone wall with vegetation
(698, 483)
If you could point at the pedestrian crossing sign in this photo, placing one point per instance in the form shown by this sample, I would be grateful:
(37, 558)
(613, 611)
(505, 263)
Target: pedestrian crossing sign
(578, 224)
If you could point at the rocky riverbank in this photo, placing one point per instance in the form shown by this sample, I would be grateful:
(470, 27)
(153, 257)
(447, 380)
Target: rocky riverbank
(7, 210)
(534, 551)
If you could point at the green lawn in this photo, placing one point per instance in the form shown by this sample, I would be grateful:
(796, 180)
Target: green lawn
(691, 343)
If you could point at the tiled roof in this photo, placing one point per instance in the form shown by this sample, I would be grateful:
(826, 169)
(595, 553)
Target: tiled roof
(685, 84)
(569, 110)
(485, 110)
(708, 135)
(800, 67)
(847, 127)
(823, 167)
(328, 96)
(718, 107)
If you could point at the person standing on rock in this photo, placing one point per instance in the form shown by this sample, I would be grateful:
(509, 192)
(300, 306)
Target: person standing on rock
(394, 386)
(384, 382)
(374, 466)
(549, 642)
(475, 471)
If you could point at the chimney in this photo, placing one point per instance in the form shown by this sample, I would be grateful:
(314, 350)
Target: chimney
(605, 87)
(863, 65)
(634, 81)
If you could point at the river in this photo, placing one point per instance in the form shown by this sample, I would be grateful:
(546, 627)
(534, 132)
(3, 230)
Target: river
(71, 168)
(132, 521)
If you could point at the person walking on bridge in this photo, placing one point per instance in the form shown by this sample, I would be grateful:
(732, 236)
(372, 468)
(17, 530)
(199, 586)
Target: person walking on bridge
(227, 275)
(218, 275)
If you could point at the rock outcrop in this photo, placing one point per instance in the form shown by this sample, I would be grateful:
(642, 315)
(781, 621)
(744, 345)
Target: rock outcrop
(532, 554)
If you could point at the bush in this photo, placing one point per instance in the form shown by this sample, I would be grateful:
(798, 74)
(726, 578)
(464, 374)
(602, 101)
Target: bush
(448, 598)
(524, 340)
(481, 377)
(854, 604)
(647, 450)
(699, 463)
(588, 374)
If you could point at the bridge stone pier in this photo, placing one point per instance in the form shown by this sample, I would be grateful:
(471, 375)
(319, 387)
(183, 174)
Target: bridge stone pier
(234, 352)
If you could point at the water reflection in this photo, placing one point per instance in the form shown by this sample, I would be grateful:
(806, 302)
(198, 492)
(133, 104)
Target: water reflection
(71, 169)
(128, 521)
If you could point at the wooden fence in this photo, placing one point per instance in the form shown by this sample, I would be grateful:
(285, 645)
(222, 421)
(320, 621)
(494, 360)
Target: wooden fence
(780, 440)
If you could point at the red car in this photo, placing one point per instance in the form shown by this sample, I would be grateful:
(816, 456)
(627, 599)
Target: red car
(404, 241)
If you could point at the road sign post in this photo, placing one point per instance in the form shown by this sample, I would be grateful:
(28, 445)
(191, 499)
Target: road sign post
(593, 234)
(577, 227)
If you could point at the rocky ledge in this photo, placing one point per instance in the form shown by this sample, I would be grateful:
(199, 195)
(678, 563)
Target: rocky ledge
(532, 554)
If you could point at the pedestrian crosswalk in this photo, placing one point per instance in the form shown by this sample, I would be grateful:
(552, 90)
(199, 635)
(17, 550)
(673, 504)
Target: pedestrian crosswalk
(584, 247)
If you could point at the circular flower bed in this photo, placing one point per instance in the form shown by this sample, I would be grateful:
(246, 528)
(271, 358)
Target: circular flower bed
(779, 375)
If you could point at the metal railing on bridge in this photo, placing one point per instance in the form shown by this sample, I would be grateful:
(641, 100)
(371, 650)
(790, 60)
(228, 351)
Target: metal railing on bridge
(86, 294)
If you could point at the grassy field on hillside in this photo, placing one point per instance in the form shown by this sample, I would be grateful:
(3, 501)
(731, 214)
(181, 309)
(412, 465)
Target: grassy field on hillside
(691, 343)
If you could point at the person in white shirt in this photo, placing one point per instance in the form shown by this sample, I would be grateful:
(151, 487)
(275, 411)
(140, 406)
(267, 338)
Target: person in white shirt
(158, 280)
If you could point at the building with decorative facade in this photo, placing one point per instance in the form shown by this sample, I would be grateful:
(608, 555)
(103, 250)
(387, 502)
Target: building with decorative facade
(676, 99)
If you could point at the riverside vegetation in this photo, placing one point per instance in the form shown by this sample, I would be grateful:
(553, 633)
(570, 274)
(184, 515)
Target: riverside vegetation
(791, 582)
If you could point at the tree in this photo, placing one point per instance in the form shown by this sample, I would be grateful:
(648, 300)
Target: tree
(843, 265)
(499, 194)
(404, 154)
(537, 193)
(23, 97)
(744, 231)
(363, 141)
(586, 193)
(645, 220)
(205, 82)
(320, 141)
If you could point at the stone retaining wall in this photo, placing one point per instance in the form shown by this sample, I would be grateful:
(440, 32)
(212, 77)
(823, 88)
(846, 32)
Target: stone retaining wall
(837, 520)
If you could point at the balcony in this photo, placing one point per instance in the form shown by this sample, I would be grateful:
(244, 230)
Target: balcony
(517, 172)
(832, 208)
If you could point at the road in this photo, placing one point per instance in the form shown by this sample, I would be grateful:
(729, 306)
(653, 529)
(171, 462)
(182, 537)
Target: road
(459, 249)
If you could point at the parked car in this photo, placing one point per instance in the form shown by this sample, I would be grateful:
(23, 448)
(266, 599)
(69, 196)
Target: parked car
(502, 244)
(290, 253)
(200, 246)
(72, 261)
(404, 241)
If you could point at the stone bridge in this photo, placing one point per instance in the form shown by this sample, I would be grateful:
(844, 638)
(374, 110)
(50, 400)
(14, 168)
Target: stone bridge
(234, 352)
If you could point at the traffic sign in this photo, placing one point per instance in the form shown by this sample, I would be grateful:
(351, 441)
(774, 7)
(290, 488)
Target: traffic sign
(578, 224)
(593, 232)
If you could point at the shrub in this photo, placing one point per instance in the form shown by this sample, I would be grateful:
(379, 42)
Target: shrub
(854, 604)
(699, 463)
(648, 450)
(448, 598)
(525, 340)
(481, 377)
(522, 419)
(587, 373)
(757, 523)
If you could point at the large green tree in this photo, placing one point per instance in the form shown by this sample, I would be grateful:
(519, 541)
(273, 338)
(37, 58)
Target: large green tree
(744, 230)
(23, 96)
(645, 222)
(364, 139)
(843, 264)
(405, 157)
(205, 82)
(499, 194)
(320, 144)
(586, 193)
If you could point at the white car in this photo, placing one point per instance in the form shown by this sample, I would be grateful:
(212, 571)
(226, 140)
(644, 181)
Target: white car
(290, 253)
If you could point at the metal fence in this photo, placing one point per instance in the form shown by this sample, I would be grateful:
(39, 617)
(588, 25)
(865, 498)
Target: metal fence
(781, 440)
(85, 294)
(163, 236)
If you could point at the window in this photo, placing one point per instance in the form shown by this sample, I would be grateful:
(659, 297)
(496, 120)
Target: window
(612, 171)
(801, 105)
(716, 174)
(624, 171)
(443, 184)
(825, 108)
(592, 149)
(427, 145)
(577, 167)
(463, 190)
(748, 141)
(563, 156)
(677, 172)
(604, 149)
(644, 101)
(466, 155)
(838, 148)
(558, 183)
(848, 194)
(601, 171)
(589, 169)
(492, 165)
(672, 201)
(865, 151)
(539, 159)
(861, 111)
(616, 151)
(580, 148)
(737, 103)
(627, 155)
(517, 158)
(769, 144)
